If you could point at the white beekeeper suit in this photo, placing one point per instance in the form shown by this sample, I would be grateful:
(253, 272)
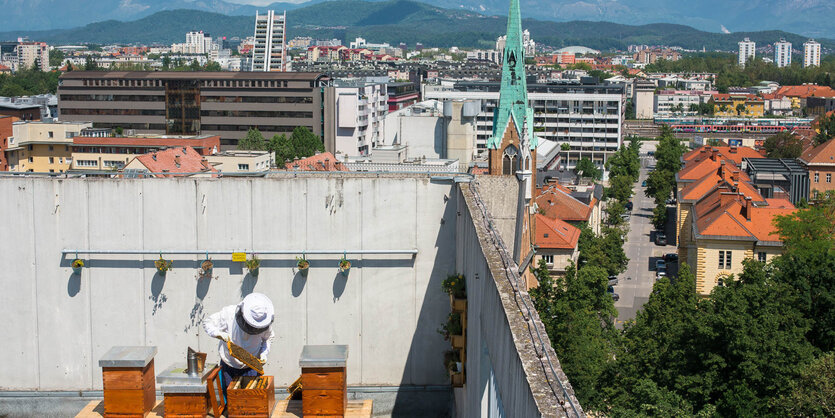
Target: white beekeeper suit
(251, 329)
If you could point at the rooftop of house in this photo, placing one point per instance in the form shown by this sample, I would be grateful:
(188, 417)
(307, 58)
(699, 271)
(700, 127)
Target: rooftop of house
(821, 154)
(174, 160)
(733, 153)
(728, 214)
(806, 90)
(320, 162)
(724, 175)
(555, 234)
(557, 202)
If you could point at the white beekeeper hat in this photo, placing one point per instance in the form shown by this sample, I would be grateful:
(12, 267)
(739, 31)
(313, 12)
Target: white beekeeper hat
(257, 310)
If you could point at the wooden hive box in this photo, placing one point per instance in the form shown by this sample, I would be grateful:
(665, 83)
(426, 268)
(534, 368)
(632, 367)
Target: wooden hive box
(128, 381)
(242, 402)
(186, 396)
(324, 380)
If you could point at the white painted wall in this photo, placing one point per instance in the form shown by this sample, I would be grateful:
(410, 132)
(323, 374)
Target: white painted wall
(58, 324)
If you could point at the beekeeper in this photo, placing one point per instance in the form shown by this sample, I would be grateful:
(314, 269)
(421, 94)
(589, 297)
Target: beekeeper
(246, 324)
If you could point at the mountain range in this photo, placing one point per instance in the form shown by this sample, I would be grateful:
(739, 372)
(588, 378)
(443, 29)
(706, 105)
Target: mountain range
(396, 21)
(807, 17)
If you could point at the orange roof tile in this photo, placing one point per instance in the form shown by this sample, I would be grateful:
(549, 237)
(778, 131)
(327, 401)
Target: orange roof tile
(558, 203)
(821, 154)
(319, 162)
(555, 233)
(723, 213)
(735, 154)
(806, 90)
(175, 160)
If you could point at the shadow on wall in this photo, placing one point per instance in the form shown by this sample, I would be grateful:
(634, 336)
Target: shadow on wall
(433, 311)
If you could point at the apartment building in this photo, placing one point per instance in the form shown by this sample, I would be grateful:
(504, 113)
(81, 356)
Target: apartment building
(747, 51)
(42, 146)
(782, 53)
(30, 54)
(811, 54)
(6, 123)
(356, 115)
(196, 43)
(678, 102)
(585, 115)
(225, 104)
(94, 153)
(268, 51)
(733, 104)
(242, 161)
(721, 218)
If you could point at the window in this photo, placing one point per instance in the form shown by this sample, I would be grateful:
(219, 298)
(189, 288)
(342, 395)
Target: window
(87, 163)
(52, 160)
(50, 134)
(113, 164)
(817, 177)
(829, 177)
(31, 160)
(50, 148)
(30, 147)
(243, 166)
(761, 257)
(724, 259)
(549, 259)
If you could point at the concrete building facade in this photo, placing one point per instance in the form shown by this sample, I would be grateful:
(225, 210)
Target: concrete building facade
(268, 51)
(226, 104)
(643, 101)
(355, 115)
(42, 147)
(747, 51)
(31, 54)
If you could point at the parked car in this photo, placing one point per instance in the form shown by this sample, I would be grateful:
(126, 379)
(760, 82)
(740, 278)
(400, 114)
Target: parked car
(625, 216)
(615, 297)
(671, 257)
(629, 206)
(660, 265)
(660, 274)
(660, 238)
(671, 201)
(613, 281)
(644, 183)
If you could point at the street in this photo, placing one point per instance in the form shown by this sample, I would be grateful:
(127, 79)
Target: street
(635, 285)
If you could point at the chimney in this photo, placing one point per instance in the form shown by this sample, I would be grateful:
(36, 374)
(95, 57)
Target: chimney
(749, 207)
(721, 172)
(733, 150)
(727, 197)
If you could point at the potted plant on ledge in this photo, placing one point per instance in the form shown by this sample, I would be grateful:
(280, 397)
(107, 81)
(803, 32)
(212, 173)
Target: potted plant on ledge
(253, 264)
(453, 330)
(344, 266)
(77, 265)
(455, 286)
(206, 268)
(303, 265)
(454, 367)
(163, 265)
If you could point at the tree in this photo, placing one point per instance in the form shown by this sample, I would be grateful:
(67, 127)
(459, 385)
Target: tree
(252, 141)
(213, 66)
(740, 109)
(586, 168)
(56, 57)
(659, 216)
(825, 127)
(90, 64)
(283, 149)
(195, 65)
(565, 146)
(305, 143)
(783, 145)
(813, 394)
(166, 62)
(604, 250)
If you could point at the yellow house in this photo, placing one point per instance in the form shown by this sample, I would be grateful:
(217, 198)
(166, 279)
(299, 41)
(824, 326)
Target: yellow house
(42, 146)
(728, 105)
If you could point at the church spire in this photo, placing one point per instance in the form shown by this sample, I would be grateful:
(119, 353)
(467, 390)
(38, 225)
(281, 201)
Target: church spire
(513, 96)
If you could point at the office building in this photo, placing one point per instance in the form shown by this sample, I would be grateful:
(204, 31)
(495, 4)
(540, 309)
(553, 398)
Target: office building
(585, 115)
(811, 53)
(818, 161)
(355, 115)
(782, 53)
(226, 104)
(269, 48)
(747, 51)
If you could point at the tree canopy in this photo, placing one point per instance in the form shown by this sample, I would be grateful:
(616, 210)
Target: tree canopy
(783, 145)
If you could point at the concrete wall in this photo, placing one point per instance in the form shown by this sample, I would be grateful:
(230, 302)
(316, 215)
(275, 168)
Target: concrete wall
(59, 324)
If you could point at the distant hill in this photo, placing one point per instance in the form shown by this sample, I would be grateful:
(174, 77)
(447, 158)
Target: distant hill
(401, 21)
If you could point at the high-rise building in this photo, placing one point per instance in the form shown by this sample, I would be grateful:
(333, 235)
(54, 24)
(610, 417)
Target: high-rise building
(32, 53)
(783, 53)
(811, 53)
(747, 50)
(268, 51)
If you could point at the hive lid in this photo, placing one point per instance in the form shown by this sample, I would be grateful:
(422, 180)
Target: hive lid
(324, 356)
(128, 356)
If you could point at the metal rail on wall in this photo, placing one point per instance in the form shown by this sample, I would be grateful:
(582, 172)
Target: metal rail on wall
(260, 252)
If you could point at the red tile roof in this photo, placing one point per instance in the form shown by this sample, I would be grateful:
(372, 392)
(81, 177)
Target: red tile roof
(479, 170)
(319, 162)
(557, 203)
(555, 234)
(726, 214)
(806, 90)
(821, 154)
(735, 154)
(203, 145)
(175, 160)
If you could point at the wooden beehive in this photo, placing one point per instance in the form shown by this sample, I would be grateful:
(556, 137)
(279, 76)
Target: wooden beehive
(186, 405)
(324, 391)
(258, 401)
(128, 381)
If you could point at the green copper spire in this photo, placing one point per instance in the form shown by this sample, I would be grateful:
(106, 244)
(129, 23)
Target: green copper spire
(513, 97)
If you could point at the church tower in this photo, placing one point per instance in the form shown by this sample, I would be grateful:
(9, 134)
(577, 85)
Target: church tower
(512, 147)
